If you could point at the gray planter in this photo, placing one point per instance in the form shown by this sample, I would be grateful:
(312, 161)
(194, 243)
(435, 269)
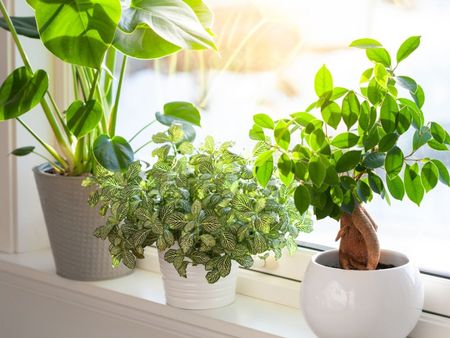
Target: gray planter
(70, 224)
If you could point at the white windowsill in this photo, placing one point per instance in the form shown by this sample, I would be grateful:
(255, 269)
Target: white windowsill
(143, 291)
(139, 298)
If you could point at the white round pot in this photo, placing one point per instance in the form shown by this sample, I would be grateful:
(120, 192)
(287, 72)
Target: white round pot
(361, 304)
(194, 292)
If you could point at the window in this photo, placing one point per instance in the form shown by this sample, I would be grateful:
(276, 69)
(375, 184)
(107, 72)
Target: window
(269, 53)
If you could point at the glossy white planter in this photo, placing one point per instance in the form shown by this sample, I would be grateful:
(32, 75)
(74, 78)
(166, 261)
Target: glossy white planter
(357, 304)
(194, 292)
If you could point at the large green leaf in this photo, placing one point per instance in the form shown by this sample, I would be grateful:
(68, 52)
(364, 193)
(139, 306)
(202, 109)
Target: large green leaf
(78, 31)
(24, 25)
(350, 109)
(348, 161)
(407, 47)
(345, 140)
(202, 11)
(184, 111)
(388, 113)
(394, 162)
(302, 198)
(21, 91)
(114, 154)
(264, 167)
(152, 29)
(413, 184)
(323, 83)
(83, 117)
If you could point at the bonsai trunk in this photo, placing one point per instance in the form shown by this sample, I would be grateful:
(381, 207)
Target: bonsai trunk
(359, 248)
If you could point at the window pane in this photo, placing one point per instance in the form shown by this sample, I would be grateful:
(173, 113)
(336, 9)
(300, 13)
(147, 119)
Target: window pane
(269, 53)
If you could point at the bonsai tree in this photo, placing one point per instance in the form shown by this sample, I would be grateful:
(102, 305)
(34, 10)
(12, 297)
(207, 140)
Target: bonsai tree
(200, 206)
(90, 35)
(349, 149)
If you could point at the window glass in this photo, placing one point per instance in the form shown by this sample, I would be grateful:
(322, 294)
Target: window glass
(269, 52)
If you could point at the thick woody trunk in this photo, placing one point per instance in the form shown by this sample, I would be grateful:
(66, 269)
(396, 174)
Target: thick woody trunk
(359, 248)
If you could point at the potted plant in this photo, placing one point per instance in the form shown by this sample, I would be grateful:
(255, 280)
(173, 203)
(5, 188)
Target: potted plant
(348, 151)
(204, 212)
(90, 36)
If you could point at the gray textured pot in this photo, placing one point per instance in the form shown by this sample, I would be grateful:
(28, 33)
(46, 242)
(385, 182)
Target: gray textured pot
(70, 224)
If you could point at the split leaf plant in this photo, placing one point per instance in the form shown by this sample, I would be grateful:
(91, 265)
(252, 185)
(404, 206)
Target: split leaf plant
(350, 147)
(95, 37)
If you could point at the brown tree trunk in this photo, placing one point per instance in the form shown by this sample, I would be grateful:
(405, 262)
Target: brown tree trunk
(359, 248)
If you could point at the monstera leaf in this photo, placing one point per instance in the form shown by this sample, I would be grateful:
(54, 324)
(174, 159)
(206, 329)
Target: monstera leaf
(114, 153)
(152, 29)
(21, 91)
(25, 25)
(78, 31)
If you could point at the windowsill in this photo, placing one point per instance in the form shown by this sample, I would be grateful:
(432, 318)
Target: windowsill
(143, 291)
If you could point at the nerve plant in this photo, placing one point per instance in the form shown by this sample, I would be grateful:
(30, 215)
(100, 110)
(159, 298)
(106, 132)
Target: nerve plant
(349, 148)
(200, 206)
(90, 35)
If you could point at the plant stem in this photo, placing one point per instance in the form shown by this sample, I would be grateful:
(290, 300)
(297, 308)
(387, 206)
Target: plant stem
(12, 29)
(113, 116)
(55, 166)
(107, 82)
(47, 147)
(141, 130)
(60, 117)
(143, 146)
(94, 85)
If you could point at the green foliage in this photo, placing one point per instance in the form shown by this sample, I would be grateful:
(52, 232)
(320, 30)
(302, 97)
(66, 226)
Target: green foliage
(201, 208)
(92, 36)
(337, 168)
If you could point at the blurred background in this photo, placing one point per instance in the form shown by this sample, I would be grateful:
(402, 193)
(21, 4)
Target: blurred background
(269, 52)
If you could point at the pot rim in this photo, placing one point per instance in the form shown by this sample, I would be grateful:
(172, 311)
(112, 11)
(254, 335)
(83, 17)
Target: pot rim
(41, 169)
(384, 252)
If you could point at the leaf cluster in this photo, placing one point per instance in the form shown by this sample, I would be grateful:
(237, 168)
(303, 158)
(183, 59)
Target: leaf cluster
(199, 206)
(92, 36)
(350, 144)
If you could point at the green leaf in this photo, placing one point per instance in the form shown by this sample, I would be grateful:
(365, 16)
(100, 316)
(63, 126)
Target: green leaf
(228, 241)
(376, 183)
(403, 120)
(171, 255)
(331, 114)
(338, 92)
(114, 154)
(387, 142)
(260, 243)
(407, 83)
(183, 111)
(363, 191)
(348, 161)
(419, 96)
(152, 29)
(21, 91)
(365, 43)
(429, 175)
(331, 176)
(263, 121)
(317, 171)
(345, 140)
(23, 151)
(282, 135)
(128, 259)
(374, 160)
(444, 176)
(394, 162)
(186, 242)
(407, 47)
(381, 75)
(176, 220)
(82, 117)
(438, 133)
(24, 25)
(87, 26)
(375, 92)
(367, 116)
(257, 133)
(379, 55)
(421, 137)
(350, 109)
(285, 167)
(396, 187)
(224, 265)
(317, 140)
(211, 224)
(388, 113)
(323, 82)
(202, 11)
(413, 184)
(433, 144)
(208, 240)
(302, 199)
(212, 276)
(308, 121)
(416, 113)
(366, 75)
(264, 167)
(167, 120)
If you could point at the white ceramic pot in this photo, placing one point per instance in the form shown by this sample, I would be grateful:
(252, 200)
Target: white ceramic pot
(361, 304)
(194, 292)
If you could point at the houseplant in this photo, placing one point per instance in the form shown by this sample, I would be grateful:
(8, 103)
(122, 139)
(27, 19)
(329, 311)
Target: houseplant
(348, 293)
(205, 213)
(89, 36)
